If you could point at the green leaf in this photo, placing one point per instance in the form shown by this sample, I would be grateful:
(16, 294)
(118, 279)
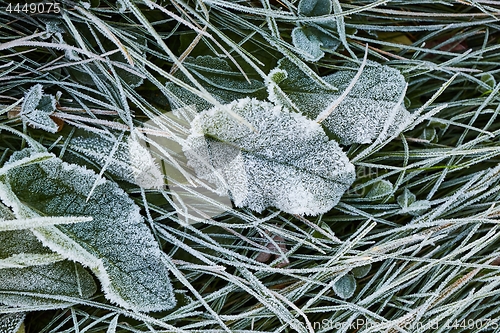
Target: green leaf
(310, 40)
(58, 279)
(374, 106)
(490, 81)
(218, 78)
(315, 7)
(418, 207)
(11, 322)
(130, 161)
(286, 162)
(380, 190)
(361, 271)
(36, 109)
(406, 199)
(410, 205)
(345, 286)
(36, 269)
(117, 246)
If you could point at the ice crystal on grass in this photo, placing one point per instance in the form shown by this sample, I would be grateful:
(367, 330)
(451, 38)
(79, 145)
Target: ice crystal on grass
(11, 322)
(37, 108)
(287, 162)
(373, 107)
(116, 245)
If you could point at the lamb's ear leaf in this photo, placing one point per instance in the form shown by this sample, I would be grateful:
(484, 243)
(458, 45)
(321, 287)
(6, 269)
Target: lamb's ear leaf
(36, 109)
(285, 161)
(11, 322)
(117, 245)
(218, 78)
(374, 105)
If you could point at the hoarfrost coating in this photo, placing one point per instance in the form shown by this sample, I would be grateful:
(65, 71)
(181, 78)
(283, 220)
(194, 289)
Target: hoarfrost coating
(287, 162)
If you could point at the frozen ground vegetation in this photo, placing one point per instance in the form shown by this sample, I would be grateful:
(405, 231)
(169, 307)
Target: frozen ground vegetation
(249, 166)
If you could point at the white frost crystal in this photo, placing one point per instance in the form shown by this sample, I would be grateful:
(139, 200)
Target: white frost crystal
(285, 161)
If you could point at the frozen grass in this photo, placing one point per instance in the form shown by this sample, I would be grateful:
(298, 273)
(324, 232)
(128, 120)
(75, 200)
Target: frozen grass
(422, 211)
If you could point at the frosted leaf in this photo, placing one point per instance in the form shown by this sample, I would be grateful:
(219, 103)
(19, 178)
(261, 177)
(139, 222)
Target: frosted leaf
(131, 161)
(116, 245)
(11, 322)
(307, 43)
(345, 286)
(406, 199)
(375, 99)
(63, 278)
(380, 190)
(43, 273)
(37, 108)
(98, 149)
(315, 7)
(418, 207)
(361, 271)
(218, 78)
(287, 163)
(410, 205)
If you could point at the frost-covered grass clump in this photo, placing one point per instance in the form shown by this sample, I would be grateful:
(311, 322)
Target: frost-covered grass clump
(245, 166)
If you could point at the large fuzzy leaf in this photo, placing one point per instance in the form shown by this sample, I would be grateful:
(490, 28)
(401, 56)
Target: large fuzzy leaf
(116, 245)
(286, 161)
(218, 78)
(374, 106)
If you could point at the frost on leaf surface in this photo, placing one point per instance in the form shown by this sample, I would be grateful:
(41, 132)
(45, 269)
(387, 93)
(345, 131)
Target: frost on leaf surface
(11, 322)
(315, 7)
(374, 106)
(62, 278)
(287, 162)
(37, 108)
(310, 40)
(117, 245)
(223, 82)
(130, 161)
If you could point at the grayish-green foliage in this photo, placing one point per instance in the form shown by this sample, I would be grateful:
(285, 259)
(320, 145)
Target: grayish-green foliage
(285, 161)
(310, 39)
(19, 285)
(345, 286)
(37, 107)
(218, 78)
(116, 245)
(315, 7)
(126, 159)
(373, 107)
(11, 322)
